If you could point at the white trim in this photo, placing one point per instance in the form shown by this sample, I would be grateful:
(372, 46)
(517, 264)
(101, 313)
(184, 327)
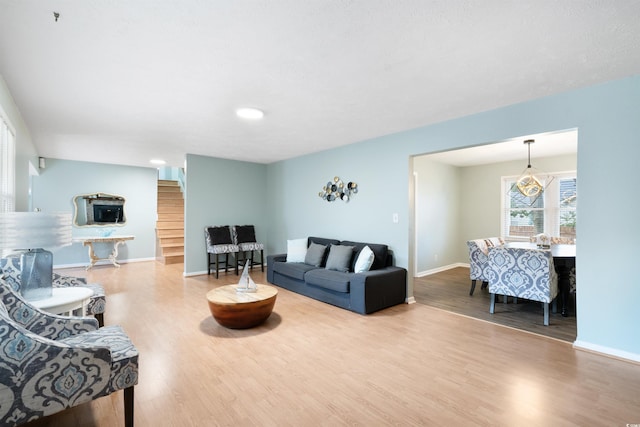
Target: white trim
(195, 273)
(102, 262)
(607, 351)
(440, 269)
(410, 300)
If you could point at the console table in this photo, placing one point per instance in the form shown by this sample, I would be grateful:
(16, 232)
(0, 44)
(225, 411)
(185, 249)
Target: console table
(115, 240)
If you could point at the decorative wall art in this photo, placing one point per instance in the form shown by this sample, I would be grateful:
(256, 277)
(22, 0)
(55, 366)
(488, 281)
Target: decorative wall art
(338, 190)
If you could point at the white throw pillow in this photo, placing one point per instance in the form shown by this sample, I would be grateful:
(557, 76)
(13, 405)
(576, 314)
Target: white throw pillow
(364, 261)
(296, 250)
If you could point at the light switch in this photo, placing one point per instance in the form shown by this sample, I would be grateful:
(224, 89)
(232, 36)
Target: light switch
(395, 218)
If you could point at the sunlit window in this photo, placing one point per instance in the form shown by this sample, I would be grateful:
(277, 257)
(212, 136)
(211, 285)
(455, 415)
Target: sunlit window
(7, 165)
(553, 212)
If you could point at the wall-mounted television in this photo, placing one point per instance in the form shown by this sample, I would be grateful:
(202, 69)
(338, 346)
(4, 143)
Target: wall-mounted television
(107, 213)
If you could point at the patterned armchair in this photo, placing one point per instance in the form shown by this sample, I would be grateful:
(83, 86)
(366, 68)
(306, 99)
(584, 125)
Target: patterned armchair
(245, 237)
(479, 261)
(49, 363)
(554, 240)
(219, 241)
(522, 273)
(10, 267)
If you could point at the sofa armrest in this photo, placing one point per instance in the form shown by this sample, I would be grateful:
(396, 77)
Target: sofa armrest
(377, 289)
(271, 259)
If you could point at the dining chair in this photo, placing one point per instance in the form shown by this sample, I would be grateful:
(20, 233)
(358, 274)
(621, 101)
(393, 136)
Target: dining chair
(219, 241)
(478, 260)
(245, 237)
(522, 273)
(50, 363)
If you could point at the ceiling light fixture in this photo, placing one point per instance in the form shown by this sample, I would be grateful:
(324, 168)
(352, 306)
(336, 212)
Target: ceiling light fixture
(528, 184)
(250, 113)
(157, 162)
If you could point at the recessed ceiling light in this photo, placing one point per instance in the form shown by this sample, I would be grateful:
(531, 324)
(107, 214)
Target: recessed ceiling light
(250, 113)
(157, 161)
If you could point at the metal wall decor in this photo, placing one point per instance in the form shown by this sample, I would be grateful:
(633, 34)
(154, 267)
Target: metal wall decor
(338, 190)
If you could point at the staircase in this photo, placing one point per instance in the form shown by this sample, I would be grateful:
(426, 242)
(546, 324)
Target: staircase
(170, 225)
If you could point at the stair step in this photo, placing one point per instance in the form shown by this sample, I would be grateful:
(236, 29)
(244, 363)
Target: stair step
(173, 259)
(173, 217)
(168, 183)
(170, 233)
(169, 195)
(173, 251)
(164, 244)
(170, 225)
(179, 240)
(163, 209)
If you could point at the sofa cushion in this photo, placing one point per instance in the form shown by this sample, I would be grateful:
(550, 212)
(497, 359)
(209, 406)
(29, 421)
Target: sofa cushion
(323, 241)
(328, 279)
(295, 270)
(364, 260)
(380, 253)
(296, 250)
(315, 254)
(339, 258)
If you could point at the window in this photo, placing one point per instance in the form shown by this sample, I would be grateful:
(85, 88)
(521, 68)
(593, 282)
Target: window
(7, 165)
(553, 212)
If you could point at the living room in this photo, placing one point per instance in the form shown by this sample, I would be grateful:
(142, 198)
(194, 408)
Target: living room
(281, 199)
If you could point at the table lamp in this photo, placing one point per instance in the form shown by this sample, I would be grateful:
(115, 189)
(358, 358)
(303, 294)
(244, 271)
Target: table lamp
(30, 233)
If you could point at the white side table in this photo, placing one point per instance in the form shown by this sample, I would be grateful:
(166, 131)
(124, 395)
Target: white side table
(70, 300)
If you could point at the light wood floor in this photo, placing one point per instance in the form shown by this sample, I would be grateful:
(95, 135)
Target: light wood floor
(312, 364)
(449, 290)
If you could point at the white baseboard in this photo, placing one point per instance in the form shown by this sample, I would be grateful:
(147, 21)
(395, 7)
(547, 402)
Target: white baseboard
(101, 262)
(410, 300)
(440, 269)
(607, 351)
(195, 273)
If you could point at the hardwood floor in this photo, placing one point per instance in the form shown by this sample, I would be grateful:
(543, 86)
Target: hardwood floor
(314, 364)
(449, 290)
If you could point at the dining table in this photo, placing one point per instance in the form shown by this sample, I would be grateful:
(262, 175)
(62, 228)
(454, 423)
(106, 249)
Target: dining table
(564, 259)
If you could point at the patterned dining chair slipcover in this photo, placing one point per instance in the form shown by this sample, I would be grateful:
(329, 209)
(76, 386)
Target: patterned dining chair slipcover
(219, 241)
(479, 261)
(245, 237)
(10, 268)
(522, 273)
(555, 240)
(50, 363)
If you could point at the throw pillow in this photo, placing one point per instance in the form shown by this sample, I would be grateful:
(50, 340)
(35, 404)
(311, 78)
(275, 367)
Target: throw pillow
(245, 233)
(365, 260)
(315, 254)
(296, 250)
(339, 258)
(220, 235)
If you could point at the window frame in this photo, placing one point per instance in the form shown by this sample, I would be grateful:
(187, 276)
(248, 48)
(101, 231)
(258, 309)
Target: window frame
(7, 164)
(551, 202)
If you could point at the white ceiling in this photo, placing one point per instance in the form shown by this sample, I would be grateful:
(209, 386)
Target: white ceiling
(545, 145)
(124, 81)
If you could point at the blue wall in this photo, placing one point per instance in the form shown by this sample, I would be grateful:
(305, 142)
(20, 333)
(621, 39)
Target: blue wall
(221, 192)
(281, 199)
(606, 117)
(54, 189)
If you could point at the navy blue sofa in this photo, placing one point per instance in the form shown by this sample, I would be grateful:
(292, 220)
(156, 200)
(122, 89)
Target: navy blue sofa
(384, 285)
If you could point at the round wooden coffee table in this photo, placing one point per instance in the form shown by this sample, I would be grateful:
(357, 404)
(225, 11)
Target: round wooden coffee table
(241, 310)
